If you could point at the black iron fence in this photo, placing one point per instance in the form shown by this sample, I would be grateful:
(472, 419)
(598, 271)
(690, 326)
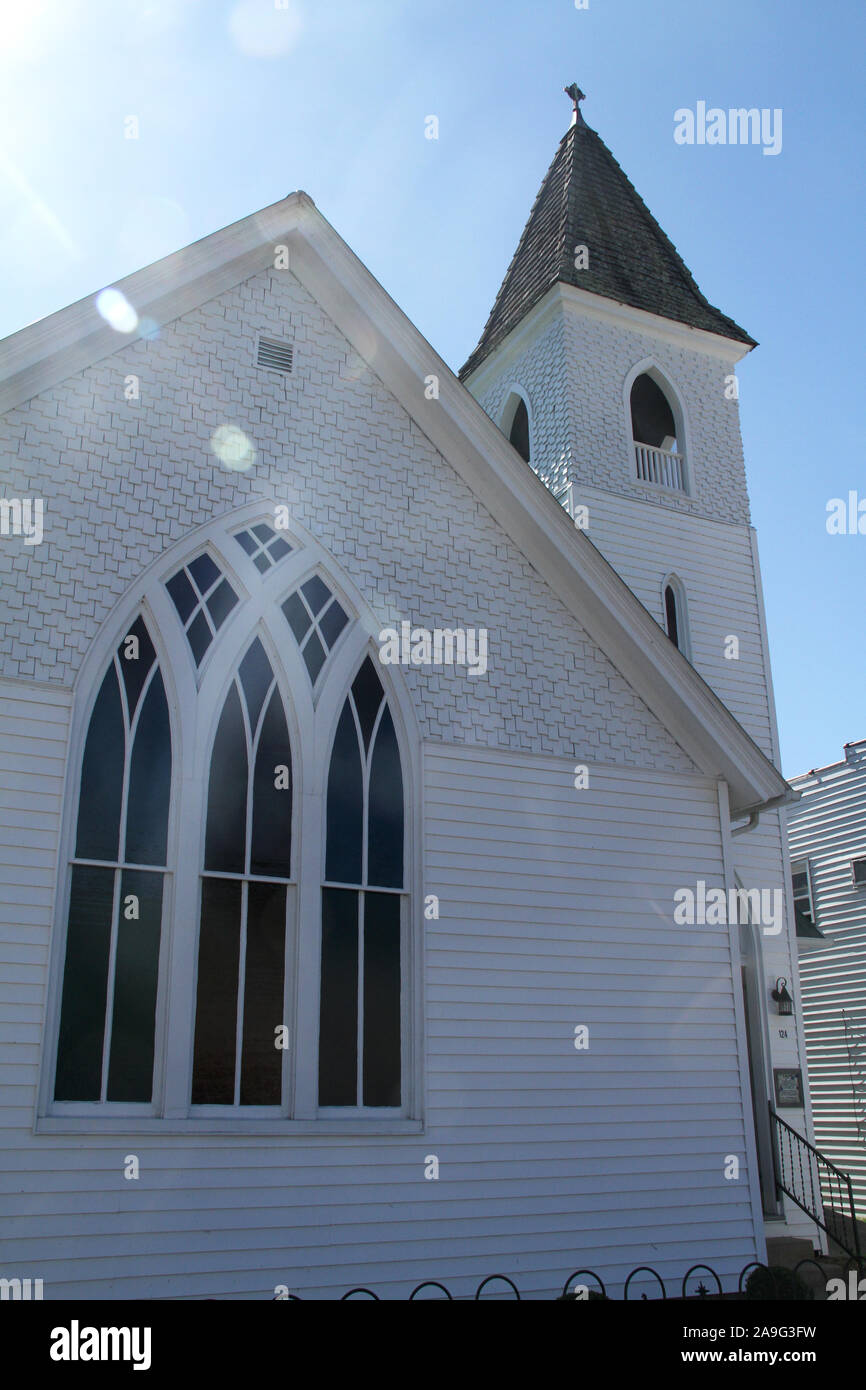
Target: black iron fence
(692, 1285)
(818, 1187)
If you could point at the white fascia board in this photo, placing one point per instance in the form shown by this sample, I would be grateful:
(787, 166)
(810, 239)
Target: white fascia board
(570, 300)
(47, 352)
(461, 431)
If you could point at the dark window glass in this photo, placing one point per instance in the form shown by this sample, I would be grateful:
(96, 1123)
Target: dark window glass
(150, 780)
(261, 562)
(85, 985)
(246, 541)
(204, 572)
(261, 1060)
(297, 617)
(652, 419)
(671, 616)
(316, 592)
(133, 1019)
(279, 549)
(199, 636)
(345, 804)
(338, 1014)
(225, 836)
(519, 433)
(368, 693)
(105, 931)
(263, 532)
(314, 655)
(332, 622)
(270, 848)
(182, 594)
(213, 1081)
(102, 776)
(134, 668)
(385, 814)
(256, 676)
(344, 980)
(221, 602)
(802, 915)
(381, 999)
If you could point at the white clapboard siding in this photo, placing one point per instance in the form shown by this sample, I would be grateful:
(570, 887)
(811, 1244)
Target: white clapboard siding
(828, 827)
(714, 561)
(555, 910)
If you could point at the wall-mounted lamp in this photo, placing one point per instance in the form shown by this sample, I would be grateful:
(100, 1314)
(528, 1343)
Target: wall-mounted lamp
(784, 1002)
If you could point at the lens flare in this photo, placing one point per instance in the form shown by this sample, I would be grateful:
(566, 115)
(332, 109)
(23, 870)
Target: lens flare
(117, 311)
(232, 448)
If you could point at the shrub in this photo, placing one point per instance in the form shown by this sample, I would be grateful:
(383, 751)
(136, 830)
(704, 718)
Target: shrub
(777, 1283)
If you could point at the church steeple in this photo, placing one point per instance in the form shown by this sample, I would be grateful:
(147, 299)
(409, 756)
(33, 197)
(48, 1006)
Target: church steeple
(586, 201)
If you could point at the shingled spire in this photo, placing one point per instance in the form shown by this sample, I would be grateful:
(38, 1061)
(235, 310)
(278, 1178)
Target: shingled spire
(587, 200)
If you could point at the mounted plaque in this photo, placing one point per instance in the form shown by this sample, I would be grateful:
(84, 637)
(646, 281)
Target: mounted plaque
(789, 1088)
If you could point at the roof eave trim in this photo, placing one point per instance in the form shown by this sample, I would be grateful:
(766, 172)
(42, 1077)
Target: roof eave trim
(46, 352)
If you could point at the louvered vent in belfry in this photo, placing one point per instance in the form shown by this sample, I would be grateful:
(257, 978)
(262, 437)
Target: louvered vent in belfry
(274, 355)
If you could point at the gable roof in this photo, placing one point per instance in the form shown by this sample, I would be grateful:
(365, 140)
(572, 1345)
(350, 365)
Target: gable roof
(46, 353)
(587, 200)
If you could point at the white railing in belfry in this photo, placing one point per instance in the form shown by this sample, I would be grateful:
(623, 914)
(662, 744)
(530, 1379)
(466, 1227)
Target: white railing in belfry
(660, 466)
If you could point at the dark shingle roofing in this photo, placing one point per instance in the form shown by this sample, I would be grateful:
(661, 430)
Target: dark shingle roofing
(586, 199)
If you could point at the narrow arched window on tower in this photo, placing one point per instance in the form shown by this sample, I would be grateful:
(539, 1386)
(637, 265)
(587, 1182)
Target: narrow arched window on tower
(518, 435)
(105, 1049)
(245, 896)
(363, 909)
(672, 622)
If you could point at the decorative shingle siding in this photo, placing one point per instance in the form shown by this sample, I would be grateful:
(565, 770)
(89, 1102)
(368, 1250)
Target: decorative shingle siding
(574, 371)
(123, 480)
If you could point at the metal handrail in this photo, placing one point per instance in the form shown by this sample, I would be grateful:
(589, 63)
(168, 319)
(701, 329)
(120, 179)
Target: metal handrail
(811, 1164)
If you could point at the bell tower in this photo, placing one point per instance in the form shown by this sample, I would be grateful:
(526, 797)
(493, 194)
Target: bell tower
(615, 379)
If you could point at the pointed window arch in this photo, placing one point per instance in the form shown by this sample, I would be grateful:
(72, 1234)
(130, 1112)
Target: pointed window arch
(676, 616)
(517, 426)
(363, 907)
(316, 618)
(246, 896)
(657, 432)
(203, 598)
(106, 1041)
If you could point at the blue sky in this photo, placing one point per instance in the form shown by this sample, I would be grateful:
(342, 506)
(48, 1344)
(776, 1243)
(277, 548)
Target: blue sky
(240, 103)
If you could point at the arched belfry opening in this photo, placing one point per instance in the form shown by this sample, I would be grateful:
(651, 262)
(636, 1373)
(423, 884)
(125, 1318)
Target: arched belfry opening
(652, 419)
(657, 435)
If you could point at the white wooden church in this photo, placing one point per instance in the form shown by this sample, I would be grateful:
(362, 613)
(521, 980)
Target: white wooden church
(385, 752)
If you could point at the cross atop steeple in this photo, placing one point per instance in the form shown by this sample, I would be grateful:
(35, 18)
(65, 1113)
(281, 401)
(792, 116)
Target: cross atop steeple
(577, 96)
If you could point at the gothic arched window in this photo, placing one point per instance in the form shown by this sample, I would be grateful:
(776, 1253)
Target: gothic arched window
(360, 1029)
(658, 450)
(672, 621)
(518, 434)
(676, 614)
(245, 896)
(652, 419)
(105, 1049)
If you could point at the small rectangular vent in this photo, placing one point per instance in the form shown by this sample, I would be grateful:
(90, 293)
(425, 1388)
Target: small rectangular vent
(274, 355)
